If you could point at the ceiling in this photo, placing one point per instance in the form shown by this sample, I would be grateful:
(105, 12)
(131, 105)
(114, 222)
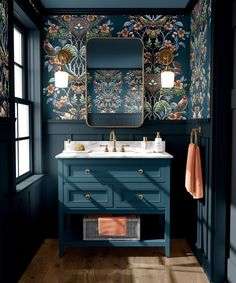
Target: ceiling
(90, 4)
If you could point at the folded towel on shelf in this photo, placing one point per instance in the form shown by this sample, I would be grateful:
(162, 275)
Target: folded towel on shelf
(193, 175)
(112, 226)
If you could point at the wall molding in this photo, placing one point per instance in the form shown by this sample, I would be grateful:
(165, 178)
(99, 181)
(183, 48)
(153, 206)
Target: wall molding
(233, 99)
(80, 127)
(117, 11)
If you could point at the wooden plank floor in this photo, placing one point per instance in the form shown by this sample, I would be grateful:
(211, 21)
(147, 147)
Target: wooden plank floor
(114, 265)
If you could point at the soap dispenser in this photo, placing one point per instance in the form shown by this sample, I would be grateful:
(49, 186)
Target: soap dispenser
(144, 143)
(158, 143)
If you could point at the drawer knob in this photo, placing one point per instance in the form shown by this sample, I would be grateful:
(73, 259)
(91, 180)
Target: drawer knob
(87, 196)
(87, 171)
(140, 196)
(141, 171)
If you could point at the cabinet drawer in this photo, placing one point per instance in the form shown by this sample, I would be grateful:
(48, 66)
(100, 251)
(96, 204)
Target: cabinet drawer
(85, 195)
(91, 170)
(140, 195)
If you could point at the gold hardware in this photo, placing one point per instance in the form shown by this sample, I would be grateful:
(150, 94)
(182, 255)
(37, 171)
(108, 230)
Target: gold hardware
(140, 196)
(113, 139)
(194, 135)
(64, 56)
(141, 171)
(87, 196)
(157, 134)
(123, 147)
(165, 56)
(106, 147)
(87, 171)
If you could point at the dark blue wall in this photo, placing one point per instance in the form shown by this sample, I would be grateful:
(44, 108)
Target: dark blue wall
(21, 214)
(232, 237)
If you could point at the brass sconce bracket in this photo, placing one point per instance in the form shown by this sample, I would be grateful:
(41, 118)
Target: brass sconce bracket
(165, 56)
(64, 56)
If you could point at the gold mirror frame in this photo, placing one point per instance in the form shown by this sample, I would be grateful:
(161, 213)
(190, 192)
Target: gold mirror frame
(86, 90)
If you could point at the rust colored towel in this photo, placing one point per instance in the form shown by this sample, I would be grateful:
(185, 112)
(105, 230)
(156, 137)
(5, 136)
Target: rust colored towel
(193, 175)
(112, 226)
(190, 169)
(198, 192)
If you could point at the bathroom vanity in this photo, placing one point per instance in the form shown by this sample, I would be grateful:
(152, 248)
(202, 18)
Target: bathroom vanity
(114, 183)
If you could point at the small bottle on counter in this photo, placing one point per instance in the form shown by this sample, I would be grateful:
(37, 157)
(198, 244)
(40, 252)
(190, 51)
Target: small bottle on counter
(144, 143)
(67, 145)
(158, 145)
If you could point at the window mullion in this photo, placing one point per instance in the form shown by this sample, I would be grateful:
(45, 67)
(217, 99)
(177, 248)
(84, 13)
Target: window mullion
(19, 65)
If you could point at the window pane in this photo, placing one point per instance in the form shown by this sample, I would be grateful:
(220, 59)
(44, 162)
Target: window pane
(18, 81)
(17, 46)
(23, 120)
(24, 164)
(16, 116)
(17, 169)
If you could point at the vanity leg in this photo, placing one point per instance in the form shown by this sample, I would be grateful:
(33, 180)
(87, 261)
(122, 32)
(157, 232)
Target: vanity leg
(167, 232)
(61, 234)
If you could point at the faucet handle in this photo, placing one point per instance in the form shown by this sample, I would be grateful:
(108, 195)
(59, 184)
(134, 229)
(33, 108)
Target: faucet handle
(106, 147)
(123, 147)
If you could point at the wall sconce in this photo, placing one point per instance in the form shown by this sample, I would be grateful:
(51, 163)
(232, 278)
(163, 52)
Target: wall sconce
(61, 77)
(167, 76)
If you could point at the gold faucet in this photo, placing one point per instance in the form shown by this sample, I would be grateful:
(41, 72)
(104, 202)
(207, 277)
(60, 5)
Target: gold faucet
(113, 139)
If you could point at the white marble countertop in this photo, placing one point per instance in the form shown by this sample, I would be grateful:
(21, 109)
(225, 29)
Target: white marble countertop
(93, 150)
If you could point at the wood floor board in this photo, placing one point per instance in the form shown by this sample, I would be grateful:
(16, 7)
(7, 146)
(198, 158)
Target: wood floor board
(114, 265)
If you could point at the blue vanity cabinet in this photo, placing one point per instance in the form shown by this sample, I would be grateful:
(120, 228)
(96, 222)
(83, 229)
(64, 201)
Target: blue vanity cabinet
(113, 186)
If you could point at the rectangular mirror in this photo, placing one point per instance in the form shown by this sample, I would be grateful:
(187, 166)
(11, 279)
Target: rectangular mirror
(115, 82)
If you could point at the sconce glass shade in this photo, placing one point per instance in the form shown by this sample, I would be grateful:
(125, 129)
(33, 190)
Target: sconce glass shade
(167, 79)
(61, 79)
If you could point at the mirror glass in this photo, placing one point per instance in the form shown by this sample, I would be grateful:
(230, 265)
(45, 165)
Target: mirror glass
(115, 82)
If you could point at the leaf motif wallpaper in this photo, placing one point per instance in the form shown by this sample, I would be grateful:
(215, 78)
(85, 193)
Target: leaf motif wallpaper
(200, 61)
(157, 32)
(4, 70)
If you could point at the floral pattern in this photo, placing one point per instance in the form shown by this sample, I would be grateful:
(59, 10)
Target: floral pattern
(4, 68)
(115, 91)
(107, 88)
(200, 60)
(156, 31)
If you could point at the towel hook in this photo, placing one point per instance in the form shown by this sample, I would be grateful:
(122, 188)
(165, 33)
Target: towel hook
(195, 137)
(195, 132)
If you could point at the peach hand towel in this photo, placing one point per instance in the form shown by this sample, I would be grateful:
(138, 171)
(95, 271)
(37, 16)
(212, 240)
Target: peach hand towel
(112, 226)
(198, 191)
(190, 169)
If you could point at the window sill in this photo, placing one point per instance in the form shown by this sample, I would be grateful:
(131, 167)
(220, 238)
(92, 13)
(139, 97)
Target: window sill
(28, 182)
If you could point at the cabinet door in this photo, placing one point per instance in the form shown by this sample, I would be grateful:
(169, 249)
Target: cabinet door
(87, 195)
(140, 195)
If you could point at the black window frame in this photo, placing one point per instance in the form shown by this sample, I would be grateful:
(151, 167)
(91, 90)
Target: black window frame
(24, 101)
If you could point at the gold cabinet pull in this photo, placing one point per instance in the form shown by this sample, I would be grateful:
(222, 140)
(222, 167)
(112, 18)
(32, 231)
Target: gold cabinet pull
(140, 196)
(87, 171)
(88, 196)
(141, 171)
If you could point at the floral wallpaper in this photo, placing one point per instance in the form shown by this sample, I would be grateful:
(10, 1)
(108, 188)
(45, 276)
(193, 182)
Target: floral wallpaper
(115, 91)
(200, 61)
(157, 32)
(4, 70)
